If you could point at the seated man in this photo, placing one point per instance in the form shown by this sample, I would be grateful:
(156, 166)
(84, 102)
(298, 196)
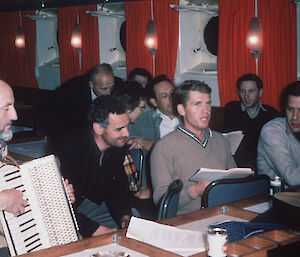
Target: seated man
(11, 200)
(248, 115)
(192, 146)
(279, 143)
(92, 158)
(158, 122)
(134, 96)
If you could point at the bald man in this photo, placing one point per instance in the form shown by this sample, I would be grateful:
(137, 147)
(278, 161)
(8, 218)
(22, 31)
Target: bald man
(11, 200)
(69, 107)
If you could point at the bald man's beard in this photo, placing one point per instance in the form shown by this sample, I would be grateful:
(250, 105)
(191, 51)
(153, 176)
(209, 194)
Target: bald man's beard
(6, 136)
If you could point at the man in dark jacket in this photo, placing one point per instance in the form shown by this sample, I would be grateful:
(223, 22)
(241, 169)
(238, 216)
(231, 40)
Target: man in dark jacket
(92, 158)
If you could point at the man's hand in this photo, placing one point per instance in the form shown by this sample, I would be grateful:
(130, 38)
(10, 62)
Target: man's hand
(143, 193)
(103, 230)
(198, 188)
(147, 144)
(125, 221)
(11, 200)
(136, 143)
(70, 191)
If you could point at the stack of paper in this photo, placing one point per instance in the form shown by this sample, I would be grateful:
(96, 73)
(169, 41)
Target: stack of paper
(179, 241)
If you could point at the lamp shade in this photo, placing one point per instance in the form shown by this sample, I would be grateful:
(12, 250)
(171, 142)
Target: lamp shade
(150, 40)
(254, 39)
(20, 39)
(76, 41)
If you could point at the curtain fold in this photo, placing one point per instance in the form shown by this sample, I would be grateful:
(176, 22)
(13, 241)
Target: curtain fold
(69, 58)
(17, 66)
(278, 62)
(166, 20)
(137, 16)
(234, 59)
(167, 23)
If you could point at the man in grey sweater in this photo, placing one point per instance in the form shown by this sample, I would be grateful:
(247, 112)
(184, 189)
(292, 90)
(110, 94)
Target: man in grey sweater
(192, 146)
(278, 151)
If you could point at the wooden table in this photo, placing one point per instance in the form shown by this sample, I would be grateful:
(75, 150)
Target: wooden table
(253, 246)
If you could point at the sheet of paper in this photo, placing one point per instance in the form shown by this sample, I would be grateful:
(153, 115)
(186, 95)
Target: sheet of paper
(206, 174)
(176, 240)
(234, 139)
(111, 250)
(259, 208)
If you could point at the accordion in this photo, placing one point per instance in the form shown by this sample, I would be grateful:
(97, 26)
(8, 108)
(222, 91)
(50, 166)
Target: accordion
(48, 219)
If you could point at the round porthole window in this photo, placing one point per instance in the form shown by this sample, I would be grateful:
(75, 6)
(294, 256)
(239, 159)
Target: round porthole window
(123, 35)
(210, 35)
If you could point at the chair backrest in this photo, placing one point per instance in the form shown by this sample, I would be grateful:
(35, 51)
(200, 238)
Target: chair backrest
(169, 201)
(137, 156)
(228, 190)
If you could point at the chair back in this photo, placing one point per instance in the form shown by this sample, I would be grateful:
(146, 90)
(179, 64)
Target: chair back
(137, 156)
(169, 201)
(223, 191)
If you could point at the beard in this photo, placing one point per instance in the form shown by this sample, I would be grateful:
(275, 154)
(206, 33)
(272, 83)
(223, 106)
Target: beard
(6, 136)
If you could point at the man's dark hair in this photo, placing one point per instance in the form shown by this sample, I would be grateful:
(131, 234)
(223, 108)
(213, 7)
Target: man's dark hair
(139, 71)
(150, 86)
(181, 94)
(103, 67)
(291, 89)
(249, 77)
(102, 106)
(131, 93)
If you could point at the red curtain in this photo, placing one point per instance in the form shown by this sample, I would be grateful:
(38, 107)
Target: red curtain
(234, 59)
(138, 13)
(69, 58)
(278, 62)
(17, 66)
(167, 24)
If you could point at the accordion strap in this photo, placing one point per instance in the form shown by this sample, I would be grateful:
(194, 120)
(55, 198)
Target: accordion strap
(10, 160)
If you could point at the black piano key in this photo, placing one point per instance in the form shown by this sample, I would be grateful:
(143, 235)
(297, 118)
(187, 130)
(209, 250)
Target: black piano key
(38, 239)
(11, 173)
(28, 238)
(8, 180)
(30, 250)
(28, 228)
(19, 186)
(21, 214)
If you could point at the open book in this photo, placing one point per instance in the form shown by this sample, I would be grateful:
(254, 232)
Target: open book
(205, 174)
(234, 139)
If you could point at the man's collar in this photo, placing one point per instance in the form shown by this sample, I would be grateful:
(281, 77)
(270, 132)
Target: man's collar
(93, 95)
(206, 136)
(252, 116)
(158, 113)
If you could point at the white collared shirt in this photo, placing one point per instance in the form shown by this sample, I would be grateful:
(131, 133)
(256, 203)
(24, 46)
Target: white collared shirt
(93, 95)
(167, 125)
